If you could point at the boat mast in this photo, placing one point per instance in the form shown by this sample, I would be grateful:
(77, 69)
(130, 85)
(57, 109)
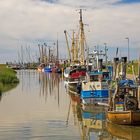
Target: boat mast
(57, 50)
(82, 56)
(65, 32)
(73, 48)
(77, 47)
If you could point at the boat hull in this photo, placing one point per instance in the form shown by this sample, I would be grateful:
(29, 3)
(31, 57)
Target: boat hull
(72, 87)
(124, 117)
(47, 69)
(39, 69)
(94, 94)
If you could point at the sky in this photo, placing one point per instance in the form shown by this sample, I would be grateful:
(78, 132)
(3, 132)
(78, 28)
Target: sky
(28, 23)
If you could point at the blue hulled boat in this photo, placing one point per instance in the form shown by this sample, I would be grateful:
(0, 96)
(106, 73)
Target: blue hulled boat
(48, 68)
(95, 89)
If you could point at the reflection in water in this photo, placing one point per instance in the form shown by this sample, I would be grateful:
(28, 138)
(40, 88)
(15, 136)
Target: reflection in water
(49, 82)
(24, 114)
(39, 108)
(50, 85)
(93, 125)
(0, 96)
(91, 119)
(7, 88)
(120, 132)
(26, 79)
(75, 105)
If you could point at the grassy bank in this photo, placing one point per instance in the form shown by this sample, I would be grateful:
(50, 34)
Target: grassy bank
(129, 68)
(8, 78)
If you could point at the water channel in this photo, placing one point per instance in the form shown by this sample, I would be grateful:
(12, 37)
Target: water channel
(39, 108)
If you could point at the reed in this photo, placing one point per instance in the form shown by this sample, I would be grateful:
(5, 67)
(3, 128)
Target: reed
(7, 78)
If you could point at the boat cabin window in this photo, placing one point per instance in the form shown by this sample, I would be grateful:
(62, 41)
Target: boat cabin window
(132, 92)
(127, 91)
(73, 71)
(93, 78)
(105, 76)
(100, 77)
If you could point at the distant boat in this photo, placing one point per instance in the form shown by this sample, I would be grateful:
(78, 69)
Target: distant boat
(41, 67)
(48, 68)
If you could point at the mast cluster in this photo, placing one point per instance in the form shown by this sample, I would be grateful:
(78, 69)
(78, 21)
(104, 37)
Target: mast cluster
(77, 50)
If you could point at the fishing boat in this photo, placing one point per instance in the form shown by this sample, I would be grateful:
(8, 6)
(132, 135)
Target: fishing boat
(52, 67)
(124, 108)
(124, 103)
(48, 68)
(95, 88)
(41, 67)
(77, 70)
(73, 77)
(74, 73)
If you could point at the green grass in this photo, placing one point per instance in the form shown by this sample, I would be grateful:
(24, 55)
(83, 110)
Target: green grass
(8, 78)
(129, 68)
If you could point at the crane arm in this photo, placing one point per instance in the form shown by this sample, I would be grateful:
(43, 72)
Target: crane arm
(65, 32)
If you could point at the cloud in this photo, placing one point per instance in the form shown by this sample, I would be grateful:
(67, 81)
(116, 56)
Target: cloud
(29, 22)
(83, 3)
(128, 1)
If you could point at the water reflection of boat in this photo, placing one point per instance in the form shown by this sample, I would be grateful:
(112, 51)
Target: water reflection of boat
(93, 125)
(75, 104)
(0, 95)
(123, 132)
(91, 122)
(93, 108)
(48, 83)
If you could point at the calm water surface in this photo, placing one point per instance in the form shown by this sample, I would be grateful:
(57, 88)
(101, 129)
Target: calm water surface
(40, 109)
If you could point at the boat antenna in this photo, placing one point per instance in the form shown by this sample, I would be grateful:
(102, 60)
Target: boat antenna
(106, 49)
